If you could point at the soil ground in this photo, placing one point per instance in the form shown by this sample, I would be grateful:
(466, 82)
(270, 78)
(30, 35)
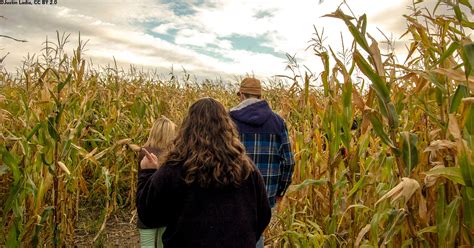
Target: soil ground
(120, 231)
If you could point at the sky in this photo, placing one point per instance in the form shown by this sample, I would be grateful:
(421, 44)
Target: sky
(208, 38)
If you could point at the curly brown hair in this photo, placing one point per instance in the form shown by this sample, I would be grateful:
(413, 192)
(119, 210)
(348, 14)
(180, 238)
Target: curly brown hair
(208, 147)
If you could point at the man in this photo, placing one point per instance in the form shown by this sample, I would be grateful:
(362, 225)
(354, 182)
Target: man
(265, 137)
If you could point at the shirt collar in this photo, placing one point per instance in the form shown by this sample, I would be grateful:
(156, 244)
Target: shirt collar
(245, 103)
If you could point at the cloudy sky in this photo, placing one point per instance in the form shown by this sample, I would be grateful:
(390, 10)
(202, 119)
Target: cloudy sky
(206, 37)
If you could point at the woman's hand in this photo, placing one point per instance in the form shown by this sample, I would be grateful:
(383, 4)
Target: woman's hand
(150, 161)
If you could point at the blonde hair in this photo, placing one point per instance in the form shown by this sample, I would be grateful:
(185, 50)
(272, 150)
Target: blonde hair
(162, 134)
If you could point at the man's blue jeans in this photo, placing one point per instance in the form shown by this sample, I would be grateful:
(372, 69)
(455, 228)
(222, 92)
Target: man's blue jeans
(260, 242)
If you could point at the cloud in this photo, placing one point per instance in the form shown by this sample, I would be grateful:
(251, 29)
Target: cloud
(206, 37)
(196, 38)
(263, 13)
(164, 28)
(136, 39)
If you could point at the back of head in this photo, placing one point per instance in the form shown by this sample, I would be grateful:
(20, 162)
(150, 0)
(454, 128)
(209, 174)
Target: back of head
(161, 134)
(208, 147)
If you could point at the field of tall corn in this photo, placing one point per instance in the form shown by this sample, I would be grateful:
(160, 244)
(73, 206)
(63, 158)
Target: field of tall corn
(403, 178)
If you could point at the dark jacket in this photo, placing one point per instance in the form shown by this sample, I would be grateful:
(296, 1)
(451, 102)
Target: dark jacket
(202, 217)
(141, 155)
(265, 137)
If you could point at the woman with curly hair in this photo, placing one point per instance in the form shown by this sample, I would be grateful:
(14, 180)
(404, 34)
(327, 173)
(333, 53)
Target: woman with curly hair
(207, 193)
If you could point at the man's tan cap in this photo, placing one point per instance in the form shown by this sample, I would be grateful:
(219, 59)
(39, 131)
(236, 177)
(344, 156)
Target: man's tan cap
(251, 86)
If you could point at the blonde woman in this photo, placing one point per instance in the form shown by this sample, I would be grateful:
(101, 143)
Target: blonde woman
(159, 143)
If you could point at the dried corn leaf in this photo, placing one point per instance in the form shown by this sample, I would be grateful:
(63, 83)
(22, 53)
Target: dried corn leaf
(404, 189)
(468, 100)
(357, 99)
(361, 234)
(453, 127)
(124, 141)
(430, 180)
(422, 209)
(134, 147)
(64, 168)
(438, 145)
(457, 75)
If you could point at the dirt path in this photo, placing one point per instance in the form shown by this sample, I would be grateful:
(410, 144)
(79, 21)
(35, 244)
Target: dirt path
(120, 231)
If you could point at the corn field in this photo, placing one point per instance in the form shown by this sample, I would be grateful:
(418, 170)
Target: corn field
(404, 177)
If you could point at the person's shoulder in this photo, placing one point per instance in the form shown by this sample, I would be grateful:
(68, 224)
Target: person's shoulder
(255, 174)
(277, 116)
(281, 122)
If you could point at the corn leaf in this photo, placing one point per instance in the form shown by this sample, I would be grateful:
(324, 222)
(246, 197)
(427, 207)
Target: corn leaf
(52, 130)
(13, 239)
(468, 204)
(33, 131)
(377, 83)
(467, 4)
(306, 183)
(457, 12)
(409, 150)
(11, 160)
(449, 226)
(467, 169)
(378, 128)
(63, 83)
(453, 47)
(461, 92)
(469, 120)
(359, 185)
(325, 74)
(440, 210)
(468, 59)
(392, 116)
(451, 173)
(39, 226)
(358, 36)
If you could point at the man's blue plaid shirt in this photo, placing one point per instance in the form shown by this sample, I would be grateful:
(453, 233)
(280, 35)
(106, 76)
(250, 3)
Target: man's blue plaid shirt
(265, 137)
